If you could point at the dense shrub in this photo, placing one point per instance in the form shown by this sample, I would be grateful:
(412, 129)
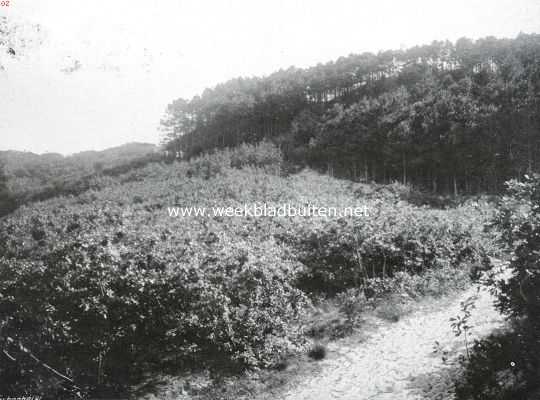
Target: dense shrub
(263, 155)
(207, 166)
(108, 316)
(350, 253)
(508, 366)
(105, 285)
(494, 370)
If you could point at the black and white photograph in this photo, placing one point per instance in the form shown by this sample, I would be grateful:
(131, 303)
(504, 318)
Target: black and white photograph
(269, 200)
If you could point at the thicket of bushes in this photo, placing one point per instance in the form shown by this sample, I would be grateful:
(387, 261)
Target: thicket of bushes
(106, 286)
(507, 366)
(398, 238)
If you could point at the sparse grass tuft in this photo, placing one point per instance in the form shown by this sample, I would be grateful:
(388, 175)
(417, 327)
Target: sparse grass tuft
(392, 310)
(317, 352)
(282, 365)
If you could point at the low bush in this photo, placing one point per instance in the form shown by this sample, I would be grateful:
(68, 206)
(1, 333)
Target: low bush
(495, 370)
(508, 366)
(263, 155)
(346, 254)
(207, 166)
(317, 352)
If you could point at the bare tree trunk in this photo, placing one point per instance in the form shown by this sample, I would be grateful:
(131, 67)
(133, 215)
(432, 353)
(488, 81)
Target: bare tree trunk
(529, 156)
(330, 169)
(365, 170)
(404, 169)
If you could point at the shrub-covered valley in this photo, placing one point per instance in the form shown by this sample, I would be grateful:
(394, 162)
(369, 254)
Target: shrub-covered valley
(102, 291)
(107, 284)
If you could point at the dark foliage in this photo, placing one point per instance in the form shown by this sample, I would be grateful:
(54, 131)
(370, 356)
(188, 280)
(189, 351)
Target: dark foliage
(449, 117)
(508, 367)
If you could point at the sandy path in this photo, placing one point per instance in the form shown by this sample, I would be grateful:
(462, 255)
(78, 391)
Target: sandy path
(397, 361)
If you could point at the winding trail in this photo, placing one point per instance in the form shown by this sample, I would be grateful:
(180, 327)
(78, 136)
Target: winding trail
(398, 360)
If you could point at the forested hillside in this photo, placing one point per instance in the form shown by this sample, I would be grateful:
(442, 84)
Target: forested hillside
(29, 177)
(451, 117)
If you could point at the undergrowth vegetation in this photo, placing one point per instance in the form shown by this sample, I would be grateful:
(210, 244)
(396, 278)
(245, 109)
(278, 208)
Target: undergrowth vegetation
(507, 365)
(106, 286)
